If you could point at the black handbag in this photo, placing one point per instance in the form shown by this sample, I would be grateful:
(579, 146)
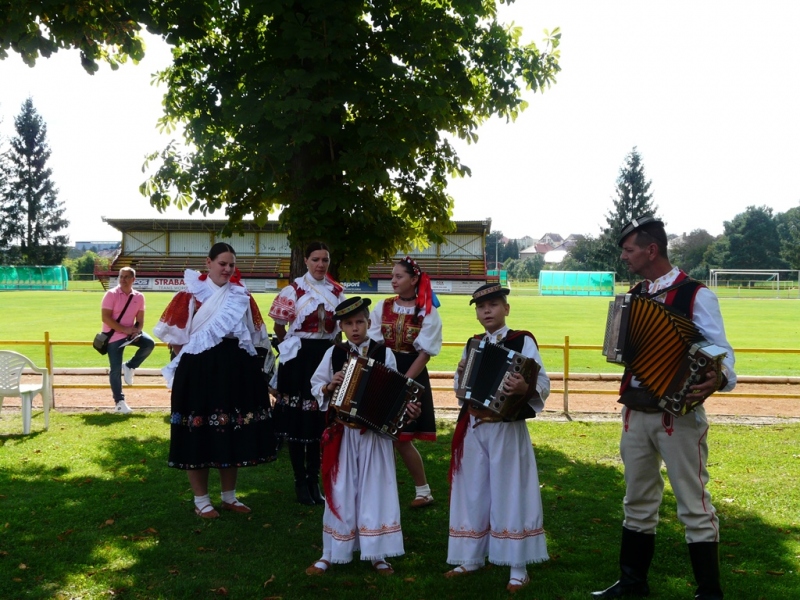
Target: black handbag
(100, 341)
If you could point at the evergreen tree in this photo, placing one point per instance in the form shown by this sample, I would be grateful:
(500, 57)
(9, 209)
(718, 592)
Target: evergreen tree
(32, 214)
(633, 200)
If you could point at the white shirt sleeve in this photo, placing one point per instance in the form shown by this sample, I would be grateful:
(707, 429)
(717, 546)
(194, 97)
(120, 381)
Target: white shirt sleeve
(708, 318)
(374, 332)
(530, 350)
(429, 339)
(390, 360)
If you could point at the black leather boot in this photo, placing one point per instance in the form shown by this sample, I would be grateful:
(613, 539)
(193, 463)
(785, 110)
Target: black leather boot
(705, 564)
(313, 489)
(301, 489)
(635, 555)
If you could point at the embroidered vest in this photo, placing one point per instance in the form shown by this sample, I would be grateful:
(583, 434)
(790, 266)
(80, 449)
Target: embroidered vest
(321, 320)
(399, 331)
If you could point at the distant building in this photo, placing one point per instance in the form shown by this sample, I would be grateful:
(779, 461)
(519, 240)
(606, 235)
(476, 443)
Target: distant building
(97, 246)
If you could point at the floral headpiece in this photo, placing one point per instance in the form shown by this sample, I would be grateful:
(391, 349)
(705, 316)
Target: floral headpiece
(413, 264)
(425, 295)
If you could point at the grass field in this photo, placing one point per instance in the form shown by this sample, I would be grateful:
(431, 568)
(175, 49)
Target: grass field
(750, 323)
(90, 510)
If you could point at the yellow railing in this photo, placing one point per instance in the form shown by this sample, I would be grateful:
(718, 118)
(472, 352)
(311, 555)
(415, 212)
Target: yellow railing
(565, 348)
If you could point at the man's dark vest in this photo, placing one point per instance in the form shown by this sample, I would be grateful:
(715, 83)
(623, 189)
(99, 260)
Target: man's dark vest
(515, 340)
(680, 296)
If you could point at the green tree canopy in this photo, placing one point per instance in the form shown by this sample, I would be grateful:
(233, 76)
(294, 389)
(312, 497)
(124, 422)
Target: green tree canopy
(753, 241)
(789, 233)
(102, 30)
(337, 113)
(32, 215)
(688, 253)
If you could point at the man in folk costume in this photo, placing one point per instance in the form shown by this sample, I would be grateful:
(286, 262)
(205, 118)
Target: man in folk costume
(650, 435)
(362, 509)
(495, 503)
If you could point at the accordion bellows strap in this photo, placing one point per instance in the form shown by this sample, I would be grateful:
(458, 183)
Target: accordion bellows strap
(662, 348)
(374, 396)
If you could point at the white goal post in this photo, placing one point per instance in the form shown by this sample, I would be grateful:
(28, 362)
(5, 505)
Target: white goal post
(774, 276)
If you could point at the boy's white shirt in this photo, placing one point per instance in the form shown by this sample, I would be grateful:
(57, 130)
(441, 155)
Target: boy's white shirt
(529, 350)
(324, 373)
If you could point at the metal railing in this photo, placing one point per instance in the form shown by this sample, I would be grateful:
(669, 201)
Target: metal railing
(565, 348)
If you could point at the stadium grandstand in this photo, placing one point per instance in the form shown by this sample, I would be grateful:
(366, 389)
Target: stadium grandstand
(161, 249)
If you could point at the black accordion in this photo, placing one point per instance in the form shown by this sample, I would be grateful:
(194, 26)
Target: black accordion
(662, 348)
(374, 396)
(487, 368)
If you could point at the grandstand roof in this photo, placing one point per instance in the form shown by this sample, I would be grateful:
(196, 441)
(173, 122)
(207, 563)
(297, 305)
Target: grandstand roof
(270, 226)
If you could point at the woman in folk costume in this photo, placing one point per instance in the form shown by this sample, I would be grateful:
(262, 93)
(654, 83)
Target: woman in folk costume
(306, 306)
(220, 413)
(362, 511)
(410, 325)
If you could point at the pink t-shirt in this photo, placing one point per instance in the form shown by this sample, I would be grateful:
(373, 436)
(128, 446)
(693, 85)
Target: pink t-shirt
(115, 299)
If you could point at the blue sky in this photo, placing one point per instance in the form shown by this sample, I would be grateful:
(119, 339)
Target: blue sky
(708, 92)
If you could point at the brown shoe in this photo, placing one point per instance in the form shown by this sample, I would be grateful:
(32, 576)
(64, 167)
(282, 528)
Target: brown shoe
(459, 571)
(236, 507)
(315, 570)
(207, 512)
(383, 568)
(515, 585)
(421, 501)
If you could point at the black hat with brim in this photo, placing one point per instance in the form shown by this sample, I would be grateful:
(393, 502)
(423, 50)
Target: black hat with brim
(350, 306)
(489, 291)
(636, 225)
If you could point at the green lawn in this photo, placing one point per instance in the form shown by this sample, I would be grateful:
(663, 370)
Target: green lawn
(750, 323)
(90, 510)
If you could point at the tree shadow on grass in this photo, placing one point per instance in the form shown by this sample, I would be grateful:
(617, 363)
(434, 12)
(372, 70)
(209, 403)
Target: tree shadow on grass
(128, 529)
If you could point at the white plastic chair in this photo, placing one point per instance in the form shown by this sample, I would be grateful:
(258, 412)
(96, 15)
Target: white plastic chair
(11, 366)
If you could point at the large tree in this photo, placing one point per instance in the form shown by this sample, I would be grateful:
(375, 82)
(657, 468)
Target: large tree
(32, 214)
(633, 200)
(689, 251)
(337, 113)
(753, 240)
(789, 233)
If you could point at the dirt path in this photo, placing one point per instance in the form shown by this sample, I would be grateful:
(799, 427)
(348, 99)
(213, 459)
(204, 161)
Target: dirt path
(585, 397)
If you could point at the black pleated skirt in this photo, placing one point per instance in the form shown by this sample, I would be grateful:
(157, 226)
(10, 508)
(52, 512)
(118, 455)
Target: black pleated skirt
(297, 414)
(423, 428)
(221, 413)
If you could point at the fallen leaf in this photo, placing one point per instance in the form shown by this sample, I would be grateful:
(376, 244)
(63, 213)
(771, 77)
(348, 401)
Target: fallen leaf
(17, 579)
(143, 461)
(220, 591)
(150, 530)
(774, 572)
(409, 579)
(740, 571)
(23, 566)
(270, 580)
